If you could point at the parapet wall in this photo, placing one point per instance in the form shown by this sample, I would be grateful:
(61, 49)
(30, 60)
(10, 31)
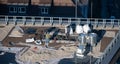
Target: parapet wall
(110, 51)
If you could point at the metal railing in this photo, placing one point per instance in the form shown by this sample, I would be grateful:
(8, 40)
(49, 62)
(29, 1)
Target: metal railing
(37, 20)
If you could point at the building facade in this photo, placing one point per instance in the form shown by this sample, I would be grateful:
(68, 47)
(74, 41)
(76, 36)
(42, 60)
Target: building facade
(57, 8)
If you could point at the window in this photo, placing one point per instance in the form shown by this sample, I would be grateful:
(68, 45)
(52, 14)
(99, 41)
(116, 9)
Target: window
(17, 9)
(21, 10)
(12, 10)
(44, 10)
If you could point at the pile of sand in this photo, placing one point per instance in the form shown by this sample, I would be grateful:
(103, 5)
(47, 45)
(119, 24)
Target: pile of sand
(47, 54)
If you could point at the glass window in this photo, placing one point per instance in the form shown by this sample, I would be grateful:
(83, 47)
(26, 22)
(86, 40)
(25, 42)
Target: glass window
(44, 10)
(22, 10)
(12, 10)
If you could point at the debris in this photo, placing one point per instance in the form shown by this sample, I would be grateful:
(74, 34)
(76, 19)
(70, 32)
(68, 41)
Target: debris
(38, 42)
(30, 40)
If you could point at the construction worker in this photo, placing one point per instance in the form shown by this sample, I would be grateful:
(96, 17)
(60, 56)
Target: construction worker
(47, 39)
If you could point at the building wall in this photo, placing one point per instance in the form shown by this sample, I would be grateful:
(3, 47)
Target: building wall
(65, 11)
(100, 9)
(3, 9)
(19, 10)
(94, 9)
(110, 8)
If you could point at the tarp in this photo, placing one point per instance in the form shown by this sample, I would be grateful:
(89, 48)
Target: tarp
(79, 29)
(71, 31)
(86, 28)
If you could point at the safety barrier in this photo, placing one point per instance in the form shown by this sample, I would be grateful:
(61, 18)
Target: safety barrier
(38, 21)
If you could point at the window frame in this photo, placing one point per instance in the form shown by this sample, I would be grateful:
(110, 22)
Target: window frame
(44, 10)
(20, 10)
(14, 10)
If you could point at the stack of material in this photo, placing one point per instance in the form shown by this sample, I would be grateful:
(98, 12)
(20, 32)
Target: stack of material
(17, 32)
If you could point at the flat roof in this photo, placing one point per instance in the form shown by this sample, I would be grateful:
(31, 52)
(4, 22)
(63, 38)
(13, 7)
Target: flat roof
(104, 41)
(41, 2)
(100, 47)
(63, 3)
(14, 1)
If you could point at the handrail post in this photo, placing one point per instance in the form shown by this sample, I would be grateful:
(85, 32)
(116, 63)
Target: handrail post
(88, 21)
(78, 20)
(119, 24)
(104, 23)
(96, 23)
(14, 19)
(42, 20)
(60, 21)
(69, 21)
(24, 20)
(33, 20)
(51, 20)
(6, 20)
(112, 23)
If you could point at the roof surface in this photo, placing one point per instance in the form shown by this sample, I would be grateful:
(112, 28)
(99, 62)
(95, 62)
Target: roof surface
(63, 3)
(14, 1)
(41, 2)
